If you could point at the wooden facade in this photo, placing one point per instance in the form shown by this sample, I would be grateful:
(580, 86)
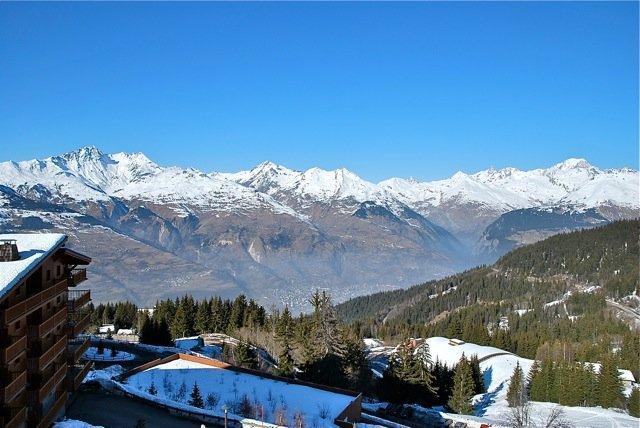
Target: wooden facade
(39, 318)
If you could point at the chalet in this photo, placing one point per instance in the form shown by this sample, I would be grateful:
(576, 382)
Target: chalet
(41, 312)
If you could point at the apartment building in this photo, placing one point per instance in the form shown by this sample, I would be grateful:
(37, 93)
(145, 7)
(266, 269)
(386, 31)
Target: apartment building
(41, 312)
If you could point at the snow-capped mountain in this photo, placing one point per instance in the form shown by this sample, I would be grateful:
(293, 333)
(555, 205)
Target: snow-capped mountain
(273, 232)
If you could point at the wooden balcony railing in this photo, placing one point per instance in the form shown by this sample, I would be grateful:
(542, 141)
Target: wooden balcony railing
(77, 276)
(18, 419)
(39, 331)
(53, 411)
(55, 380)
(39, 363)
(12, 351)
(76, 350)
(78, 327)
(77, 375)
(16, 386)
(77, 299)
(34, 302)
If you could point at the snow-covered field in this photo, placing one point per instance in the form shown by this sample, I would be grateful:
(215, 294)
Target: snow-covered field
(497, 366)
(318, 407)
(93, 355)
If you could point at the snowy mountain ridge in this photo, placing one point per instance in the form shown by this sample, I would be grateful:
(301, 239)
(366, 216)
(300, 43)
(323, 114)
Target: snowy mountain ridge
(89, 174)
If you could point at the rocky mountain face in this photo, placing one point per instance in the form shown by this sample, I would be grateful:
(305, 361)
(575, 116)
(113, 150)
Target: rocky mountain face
(275, 234)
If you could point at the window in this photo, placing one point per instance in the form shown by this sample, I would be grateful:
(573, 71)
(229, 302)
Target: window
(48, 275)
(58, 299)
(48, 305)
(17, 325)
(58, 270)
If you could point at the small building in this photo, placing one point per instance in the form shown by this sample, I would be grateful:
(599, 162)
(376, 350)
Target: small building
(627, 378)
(106, 328)
(275, 401)
(126, 331)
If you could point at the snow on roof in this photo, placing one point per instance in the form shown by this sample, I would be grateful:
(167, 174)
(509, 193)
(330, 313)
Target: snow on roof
(188, 342)
(449, 354)
(33, 248)
(317, 405)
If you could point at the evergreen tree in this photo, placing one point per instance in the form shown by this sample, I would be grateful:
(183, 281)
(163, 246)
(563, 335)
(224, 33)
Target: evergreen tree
(535, 383)
(633, 405)
(463, 388)
(478, 382)
(244, 356)
(516, 394)
(203, 315)
(196, 398)
(609, 384)
(179, 326)
(152, 389)
(236, 317)
(285, 361)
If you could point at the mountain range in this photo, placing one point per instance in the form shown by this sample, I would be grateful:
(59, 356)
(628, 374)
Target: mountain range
(275, 233)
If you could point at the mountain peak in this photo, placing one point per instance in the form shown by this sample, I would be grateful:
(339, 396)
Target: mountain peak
(84, 153)
(573, 163)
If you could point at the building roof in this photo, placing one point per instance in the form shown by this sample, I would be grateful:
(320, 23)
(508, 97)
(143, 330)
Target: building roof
(33, 249)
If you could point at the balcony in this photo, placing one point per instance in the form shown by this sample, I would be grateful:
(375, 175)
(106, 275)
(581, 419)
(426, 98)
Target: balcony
(9, 353)
(77, 349)
(77, 299)
(53, 411)
(34, 302)
(77, 276)
(77, 375)
(41, 330)
(17, 385)
(38, 364)
(54, 381)
(18, 419)
(77, 327)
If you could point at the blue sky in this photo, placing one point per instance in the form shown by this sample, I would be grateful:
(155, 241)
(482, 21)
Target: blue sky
(384, 89)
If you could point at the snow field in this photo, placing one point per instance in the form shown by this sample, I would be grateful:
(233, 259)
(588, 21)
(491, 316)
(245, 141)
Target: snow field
(270, 400)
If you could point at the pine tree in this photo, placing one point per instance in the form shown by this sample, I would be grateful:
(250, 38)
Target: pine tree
(285, 361)
(179, 326)
(100, 348)
(633, 405)
(516, 394)
(284, 336)
(609, 384)
(236, 317)
(463, 388)
(196, 397)
(474, 362)
(203, 315)
(424, 366)
(535, 383)
(243, 356)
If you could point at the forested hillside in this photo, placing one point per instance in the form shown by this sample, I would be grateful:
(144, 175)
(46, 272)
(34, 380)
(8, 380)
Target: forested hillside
(555, 291)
